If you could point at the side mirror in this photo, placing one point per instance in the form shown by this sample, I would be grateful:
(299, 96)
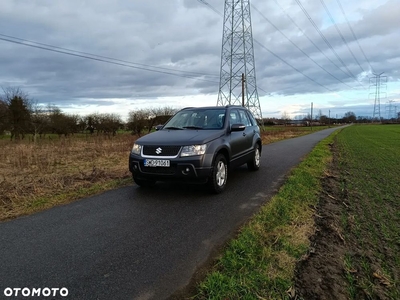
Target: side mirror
(238, 127)
(159, 127)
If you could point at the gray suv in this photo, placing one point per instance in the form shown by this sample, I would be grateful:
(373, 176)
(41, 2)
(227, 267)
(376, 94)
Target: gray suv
(198, 144)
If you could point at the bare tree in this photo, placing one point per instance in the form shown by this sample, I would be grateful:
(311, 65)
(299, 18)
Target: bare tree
(109, 123)
(319, 115)
(349, 117)
(39, 121)
(61, 123)
(103, 123)
(138, 120)
(159, 115)
(307, 120)
(286, 118)
(93, 122)
(3, 116)
(323, 119)
(82, 124)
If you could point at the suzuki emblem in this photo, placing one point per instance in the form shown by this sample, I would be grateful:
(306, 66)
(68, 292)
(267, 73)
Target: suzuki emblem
(158, 150)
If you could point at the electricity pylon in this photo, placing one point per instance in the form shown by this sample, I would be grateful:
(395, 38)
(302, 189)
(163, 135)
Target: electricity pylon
(378, 84)
(391, 110)
(238, 76)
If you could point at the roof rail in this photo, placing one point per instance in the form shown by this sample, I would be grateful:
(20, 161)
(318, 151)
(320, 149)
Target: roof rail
(230, 105)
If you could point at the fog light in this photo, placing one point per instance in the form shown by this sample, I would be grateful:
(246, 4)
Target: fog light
(135, 167)
(186, 171)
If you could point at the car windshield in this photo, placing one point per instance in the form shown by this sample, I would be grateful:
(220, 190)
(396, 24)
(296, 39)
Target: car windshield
(206, 119)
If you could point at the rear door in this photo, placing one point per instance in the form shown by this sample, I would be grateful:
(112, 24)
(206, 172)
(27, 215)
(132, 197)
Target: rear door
(249, 131)
(238, 144)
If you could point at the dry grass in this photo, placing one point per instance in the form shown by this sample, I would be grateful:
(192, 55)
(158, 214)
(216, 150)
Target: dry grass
(53, 171)
(277, 133)
(38, 175)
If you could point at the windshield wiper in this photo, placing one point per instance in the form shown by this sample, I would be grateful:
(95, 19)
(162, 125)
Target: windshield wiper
(192, 127)
(173, 128)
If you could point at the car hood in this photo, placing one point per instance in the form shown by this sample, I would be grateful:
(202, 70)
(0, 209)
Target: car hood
(180, 137)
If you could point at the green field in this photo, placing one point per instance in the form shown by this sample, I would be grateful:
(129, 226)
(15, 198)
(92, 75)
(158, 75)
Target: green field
(369, 163)
(357, 170)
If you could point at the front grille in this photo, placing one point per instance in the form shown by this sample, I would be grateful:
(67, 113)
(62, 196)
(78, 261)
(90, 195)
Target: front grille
(161, 150)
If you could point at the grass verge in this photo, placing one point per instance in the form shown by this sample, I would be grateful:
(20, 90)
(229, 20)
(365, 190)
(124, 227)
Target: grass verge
(260, 262)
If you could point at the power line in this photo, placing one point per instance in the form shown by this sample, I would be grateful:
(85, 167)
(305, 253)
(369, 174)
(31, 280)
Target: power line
(294, 44)
(354, 35)
(309, 39)
(326, 40)
(262, 90)
(211, 7)
(340, 33)
(190, 75)
(108, 58)
(294, 68)
(276, 55)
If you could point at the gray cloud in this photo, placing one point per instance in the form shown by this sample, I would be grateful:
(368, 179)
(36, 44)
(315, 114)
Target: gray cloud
(186, 36)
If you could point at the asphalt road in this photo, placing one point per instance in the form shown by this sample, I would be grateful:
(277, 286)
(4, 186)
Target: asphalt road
(132, 243)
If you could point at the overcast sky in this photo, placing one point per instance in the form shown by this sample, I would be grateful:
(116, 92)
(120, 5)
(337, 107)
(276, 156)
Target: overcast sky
(183, 37)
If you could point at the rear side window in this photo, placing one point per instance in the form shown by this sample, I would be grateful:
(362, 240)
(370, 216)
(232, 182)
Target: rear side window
(252, 119)
(245, 118)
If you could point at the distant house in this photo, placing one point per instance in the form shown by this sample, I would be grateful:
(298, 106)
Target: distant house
(298, 123)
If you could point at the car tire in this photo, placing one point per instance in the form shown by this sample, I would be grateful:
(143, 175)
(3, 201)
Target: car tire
(145, 183)
(254, 163)
(219, 175)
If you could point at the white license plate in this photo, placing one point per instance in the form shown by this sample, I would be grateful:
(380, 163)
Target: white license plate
(156, 163)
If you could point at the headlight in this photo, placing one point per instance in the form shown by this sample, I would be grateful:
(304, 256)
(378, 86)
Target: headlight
(194, 150)
(136, 149)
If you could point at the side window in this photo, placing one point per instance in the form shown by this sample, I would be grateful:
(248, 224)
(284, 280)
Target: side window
(234, 117)
(245, 118)
(252, 119)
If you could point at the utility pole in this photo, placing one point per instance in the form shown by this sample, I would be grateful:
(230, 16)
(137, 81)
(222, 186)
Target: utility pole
(243, 80)
(237, 59)
(329, 119)
(311, 114)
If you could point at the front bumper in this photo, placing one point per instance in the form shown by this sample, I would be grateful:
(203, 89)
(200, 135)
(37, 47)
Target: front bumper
(195, 168)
